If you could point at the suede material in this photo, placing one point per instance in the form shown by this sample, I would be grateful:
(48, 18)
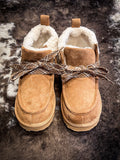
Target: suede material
(34, 92)
(32, 56)
(37, 117)
(83, 118)
(79, 56)
(76, 22)
(35, 100)
(81, 98)
(96, 53)
(79, 94)
(44, 20)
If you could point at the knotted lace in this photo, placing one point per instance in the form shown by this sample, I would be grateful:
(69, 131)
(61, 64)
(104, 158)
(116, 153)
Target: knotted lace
(92, 70)
(48, 66)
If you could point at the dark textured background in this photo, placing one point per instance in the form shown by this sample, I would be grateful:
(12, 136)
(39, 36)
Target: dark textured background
(57, 142)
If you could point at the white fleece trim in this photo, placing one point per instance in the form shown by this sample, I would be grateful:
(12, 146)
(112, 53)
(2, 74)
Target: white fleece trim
(40, 36)
(81, 37)
(71, 46)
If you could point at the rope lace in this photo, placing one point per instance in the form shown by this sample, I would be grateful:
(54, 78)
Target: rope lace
(48, 66)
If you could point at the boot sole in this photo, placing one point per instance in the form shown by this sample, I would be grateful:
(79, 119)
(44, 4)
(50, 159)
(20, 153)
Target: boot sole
(38, 127)
(80, 127)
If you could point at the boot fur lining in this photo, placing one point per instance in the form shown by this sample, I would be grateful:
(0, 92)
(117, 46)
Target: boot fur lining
(41, 37)
(81, 37)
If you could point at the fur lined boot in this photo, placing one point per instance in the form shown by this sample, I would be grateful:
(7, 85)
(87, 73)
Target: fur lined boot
(80, 100)
(35, 101)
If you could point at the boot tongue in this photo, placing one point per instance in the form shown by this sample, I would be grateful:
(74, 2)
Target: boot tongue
(79, 56)
(32, 55)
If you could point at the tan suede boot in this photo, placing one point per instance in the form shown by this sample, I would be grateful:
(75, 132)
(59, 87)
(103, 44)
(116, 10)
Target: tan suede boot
(80, 100)
(35, 101)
